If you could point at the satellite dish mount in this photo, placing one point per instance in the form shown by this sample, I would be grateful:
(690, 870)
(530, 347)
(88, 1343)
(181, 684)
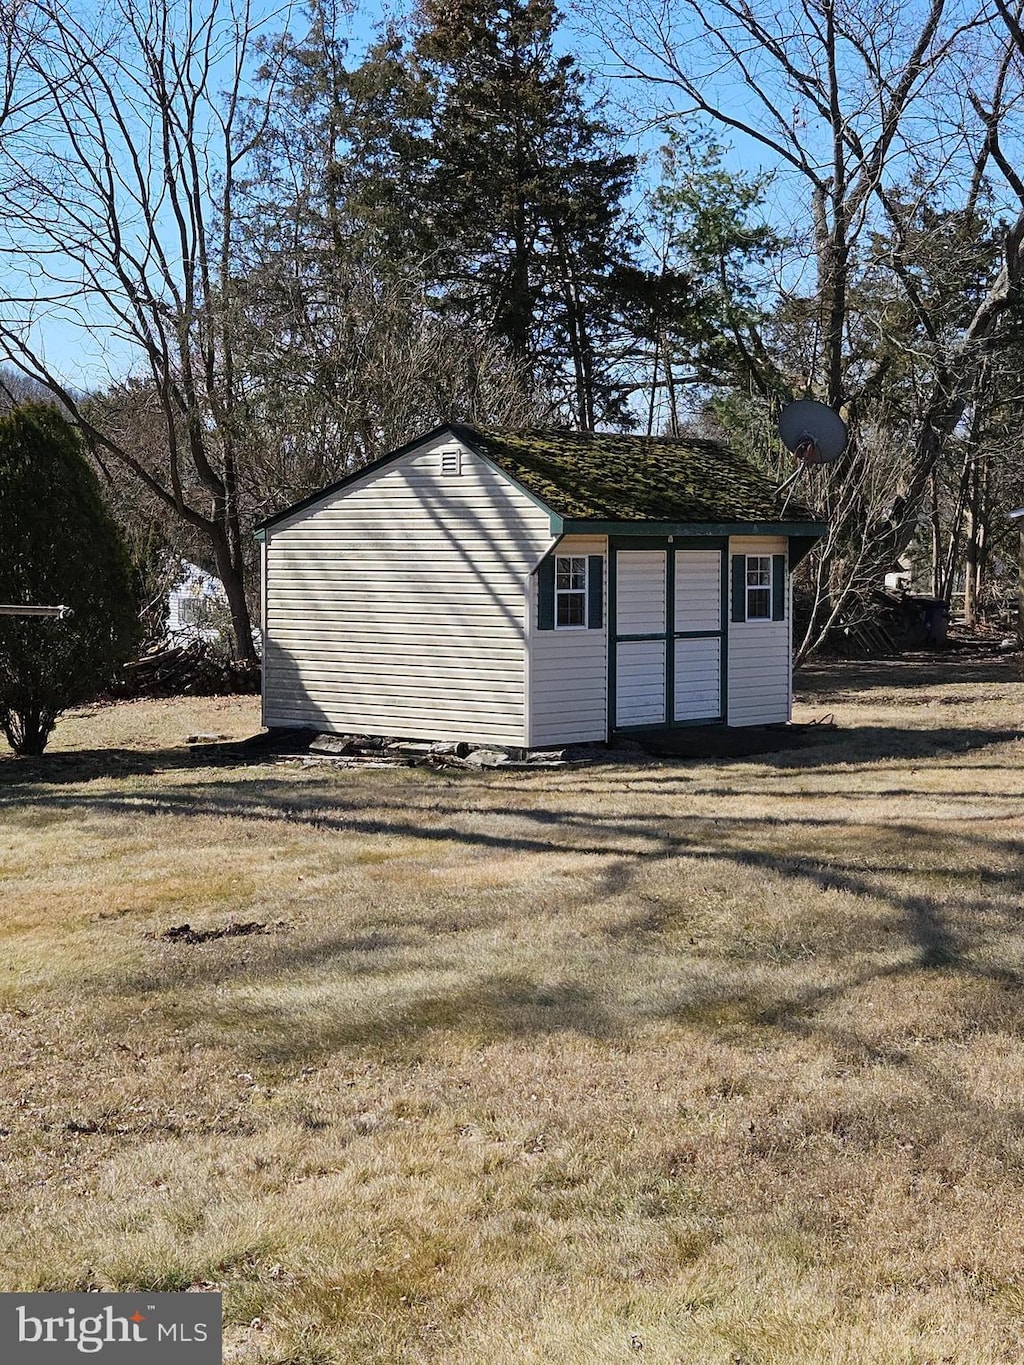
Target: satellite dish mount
(813, 434)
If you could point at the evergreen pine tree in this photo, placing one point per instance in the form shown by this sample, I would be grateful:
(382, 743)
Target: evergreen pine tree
(525, 195)
(59, 546)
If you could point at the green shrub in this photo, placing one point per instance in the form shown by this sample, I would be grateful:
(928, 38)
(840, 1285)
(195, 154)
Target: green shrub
(59, 546)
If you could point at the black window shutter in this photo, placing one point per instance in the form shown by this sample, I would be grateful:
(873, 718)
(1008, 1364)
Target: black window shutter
(546, 594)
(778, 587)
(595, 591)
(739, 587)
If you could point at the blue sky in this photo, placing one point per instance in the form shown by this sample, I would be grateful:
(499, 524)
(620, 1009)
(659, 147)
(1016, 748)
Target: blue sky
(73, 335)
(86, 354)
(76, 339)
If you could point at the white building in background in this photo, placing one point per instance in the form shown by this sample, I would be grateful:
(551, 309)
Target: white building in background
(194, 605)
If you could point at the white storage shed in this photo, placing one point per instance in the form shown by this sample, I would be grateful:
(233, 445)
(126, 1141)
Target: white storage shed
(532, 589)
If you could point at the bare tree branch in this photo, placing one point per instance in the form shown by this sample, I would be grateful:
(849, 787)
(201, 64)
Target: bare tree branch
(120, 203)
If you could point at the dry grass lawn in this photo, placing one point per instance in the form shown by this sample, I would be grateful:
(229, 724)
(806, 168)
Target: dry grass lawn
(706, 1062)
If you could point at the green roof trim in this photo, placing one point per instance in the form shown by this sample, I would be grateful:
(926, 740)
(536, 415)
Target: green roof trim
(598, 476)
(697, 528)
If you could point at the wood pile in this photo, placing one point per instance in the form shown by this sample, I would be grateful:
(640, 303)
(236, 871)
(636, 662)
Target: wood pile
(898, 621)
(191, 669)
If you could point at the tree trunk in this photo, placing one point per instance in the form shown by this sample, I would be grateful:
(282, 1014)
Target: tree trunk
(984, 538)
(971, 562)
(230, 574)
(947, 580)
(975, 552)
(936, 528)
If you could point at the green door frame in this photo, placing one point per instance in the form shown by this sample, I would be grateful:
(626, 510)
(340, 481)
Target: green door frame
(670, 544)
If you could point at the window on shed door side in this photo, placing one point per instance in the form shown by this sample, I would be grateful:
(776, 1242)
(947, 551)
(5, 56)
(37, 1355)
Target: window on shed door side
(759, 587)
(570, 591)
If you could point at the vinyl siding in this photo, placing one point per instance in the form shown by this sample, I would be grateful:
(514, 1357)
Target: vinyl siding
(760, 652)
(698, 679)
(568, 669)
(640, 682)
(398, 606)
(640, 592)
(698, 590)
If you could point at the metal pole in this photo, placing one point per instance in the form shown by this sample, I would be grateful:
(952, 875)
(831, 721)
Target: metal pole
(15, 610)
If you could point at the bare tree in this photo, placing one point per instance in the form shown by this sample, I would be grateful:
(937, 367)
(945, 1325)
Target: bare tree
(342, 354)
(119, 219)
(822, 89)
(853, 101)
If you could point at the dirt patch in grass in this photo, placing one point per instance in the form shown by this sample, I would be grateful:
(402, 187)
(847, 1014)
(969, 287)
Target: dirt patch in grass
(697, 1061)
(184, 933)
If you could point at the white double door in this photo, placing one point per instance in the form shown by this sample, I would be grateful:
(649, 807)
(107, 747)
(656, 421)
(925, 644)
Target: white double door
(668, 630)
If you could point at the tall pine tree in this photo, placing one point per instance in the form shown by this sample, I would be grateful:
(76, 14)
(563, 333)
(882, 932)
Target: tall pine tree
(432, 235)
(525, 195)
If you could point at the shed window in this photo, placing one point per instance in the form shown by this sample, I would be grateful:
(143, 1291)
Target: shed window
(188, 611)
(570, 591)
(759, 587)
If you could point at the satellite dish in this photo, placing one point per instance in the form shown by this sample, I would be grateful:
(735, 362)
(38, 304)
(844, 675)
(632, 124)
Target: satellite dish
(812, 432)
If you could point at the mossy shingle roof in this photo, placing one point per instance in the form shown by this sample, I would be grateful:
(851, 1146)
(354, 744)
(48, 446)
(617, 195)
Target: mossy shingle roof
(604, 477)
(597, 476)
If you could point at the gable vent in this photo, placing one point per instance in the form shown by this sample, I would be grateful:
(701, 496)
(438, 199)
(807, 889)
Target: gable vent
(451, 461)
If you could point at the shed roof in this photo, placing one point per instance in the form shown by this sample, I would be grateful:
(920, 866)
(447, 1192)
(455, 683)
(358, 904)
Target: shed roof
(602, 477)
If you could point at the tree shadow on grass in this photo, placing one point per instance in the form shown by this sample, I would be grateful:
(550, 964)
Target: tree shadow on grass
(439, 807)
(782, 747)
(65, 767)
(388, 950)
(490, 1010)
(509, 1005)
(443, 812)
(821, 678)
(176, 963)
(825, 746)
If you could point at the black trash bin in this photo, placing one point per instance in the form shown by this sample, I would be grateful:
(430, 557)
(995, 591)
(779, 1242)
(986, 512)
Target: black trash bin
(936, 620)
